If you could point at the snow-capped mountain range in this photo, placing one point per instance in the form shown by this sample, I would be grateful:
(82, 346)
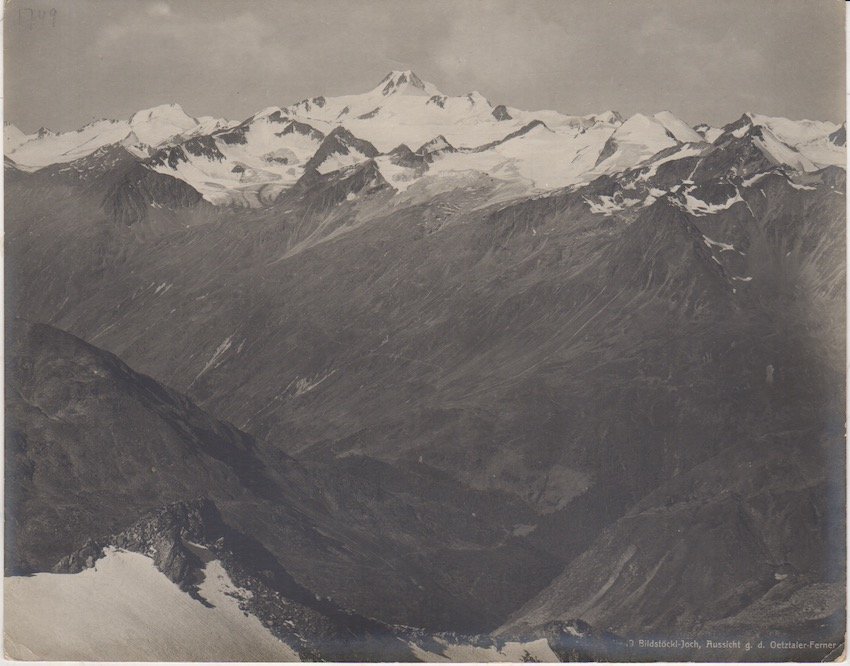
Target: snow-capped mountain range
(160, 125)
(412, 131)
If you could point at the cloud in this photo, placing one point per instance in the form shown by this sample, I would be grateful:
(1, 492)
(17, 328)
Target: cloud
(222, 45)
(231, 58)
(499, 47)
(159, 9)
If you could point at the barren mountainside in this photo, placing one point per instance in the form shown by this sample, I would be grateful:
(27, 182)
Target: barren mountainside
(442, 377)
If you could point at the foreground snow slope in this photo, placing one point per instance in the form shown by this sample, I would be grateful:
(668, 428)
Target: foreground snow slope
(511, 651)
(124, 609)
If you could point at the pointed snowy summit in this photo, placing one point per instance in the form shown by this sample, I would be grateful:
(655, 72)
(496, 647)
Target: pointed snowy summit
(155, 125)
(405, 82)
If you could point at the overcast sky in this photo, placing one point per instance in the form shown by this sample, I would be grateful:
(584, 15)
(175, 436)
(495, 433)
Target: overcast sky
(704, 60)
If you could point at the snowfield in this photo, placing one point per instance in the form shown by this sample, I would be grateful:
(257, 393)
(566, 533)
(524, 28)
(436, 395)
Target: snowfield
(512, 651)
(149, 127)
(124, 609)
(801, 144)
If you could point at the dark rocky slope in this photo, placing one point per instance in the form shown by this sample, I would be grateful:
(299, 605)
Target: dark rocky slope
(92, 445)
(566, 364)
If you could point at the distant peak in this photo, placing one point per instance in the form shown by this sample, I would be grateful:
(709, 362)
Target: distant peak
(295, 127)
(271, 113)
(739, 127)
(401, 149)
(474, 96)
(170, 111)
(340, 132)
(839, 136)
(664, 114)
(399, 80)
(438, 144)
(163, 108)
(609, 117)
(398, 74)
(636, 122)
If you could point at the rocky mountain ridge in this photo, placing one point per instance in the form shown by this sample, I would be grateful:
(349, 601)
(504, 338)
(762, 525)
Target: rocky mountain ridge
(253, 162)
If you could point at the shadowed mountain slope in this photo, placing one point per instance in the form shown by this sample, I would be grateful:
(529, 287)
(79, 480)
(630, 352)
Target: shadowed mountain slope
(93, 445)
(462, 404)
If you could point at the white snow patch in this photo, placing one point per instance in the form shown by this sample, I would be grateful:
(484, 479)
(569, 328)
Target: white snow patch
(511, 651)
(337, 161)
(724, 247)
(754, 179)
(607, 205)
(124, 609)
(801, 187)
(217, 357)
(698, 207)
(712, 133)
(783, 153)
(683, 152)
(677, 128)
(304, 385)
